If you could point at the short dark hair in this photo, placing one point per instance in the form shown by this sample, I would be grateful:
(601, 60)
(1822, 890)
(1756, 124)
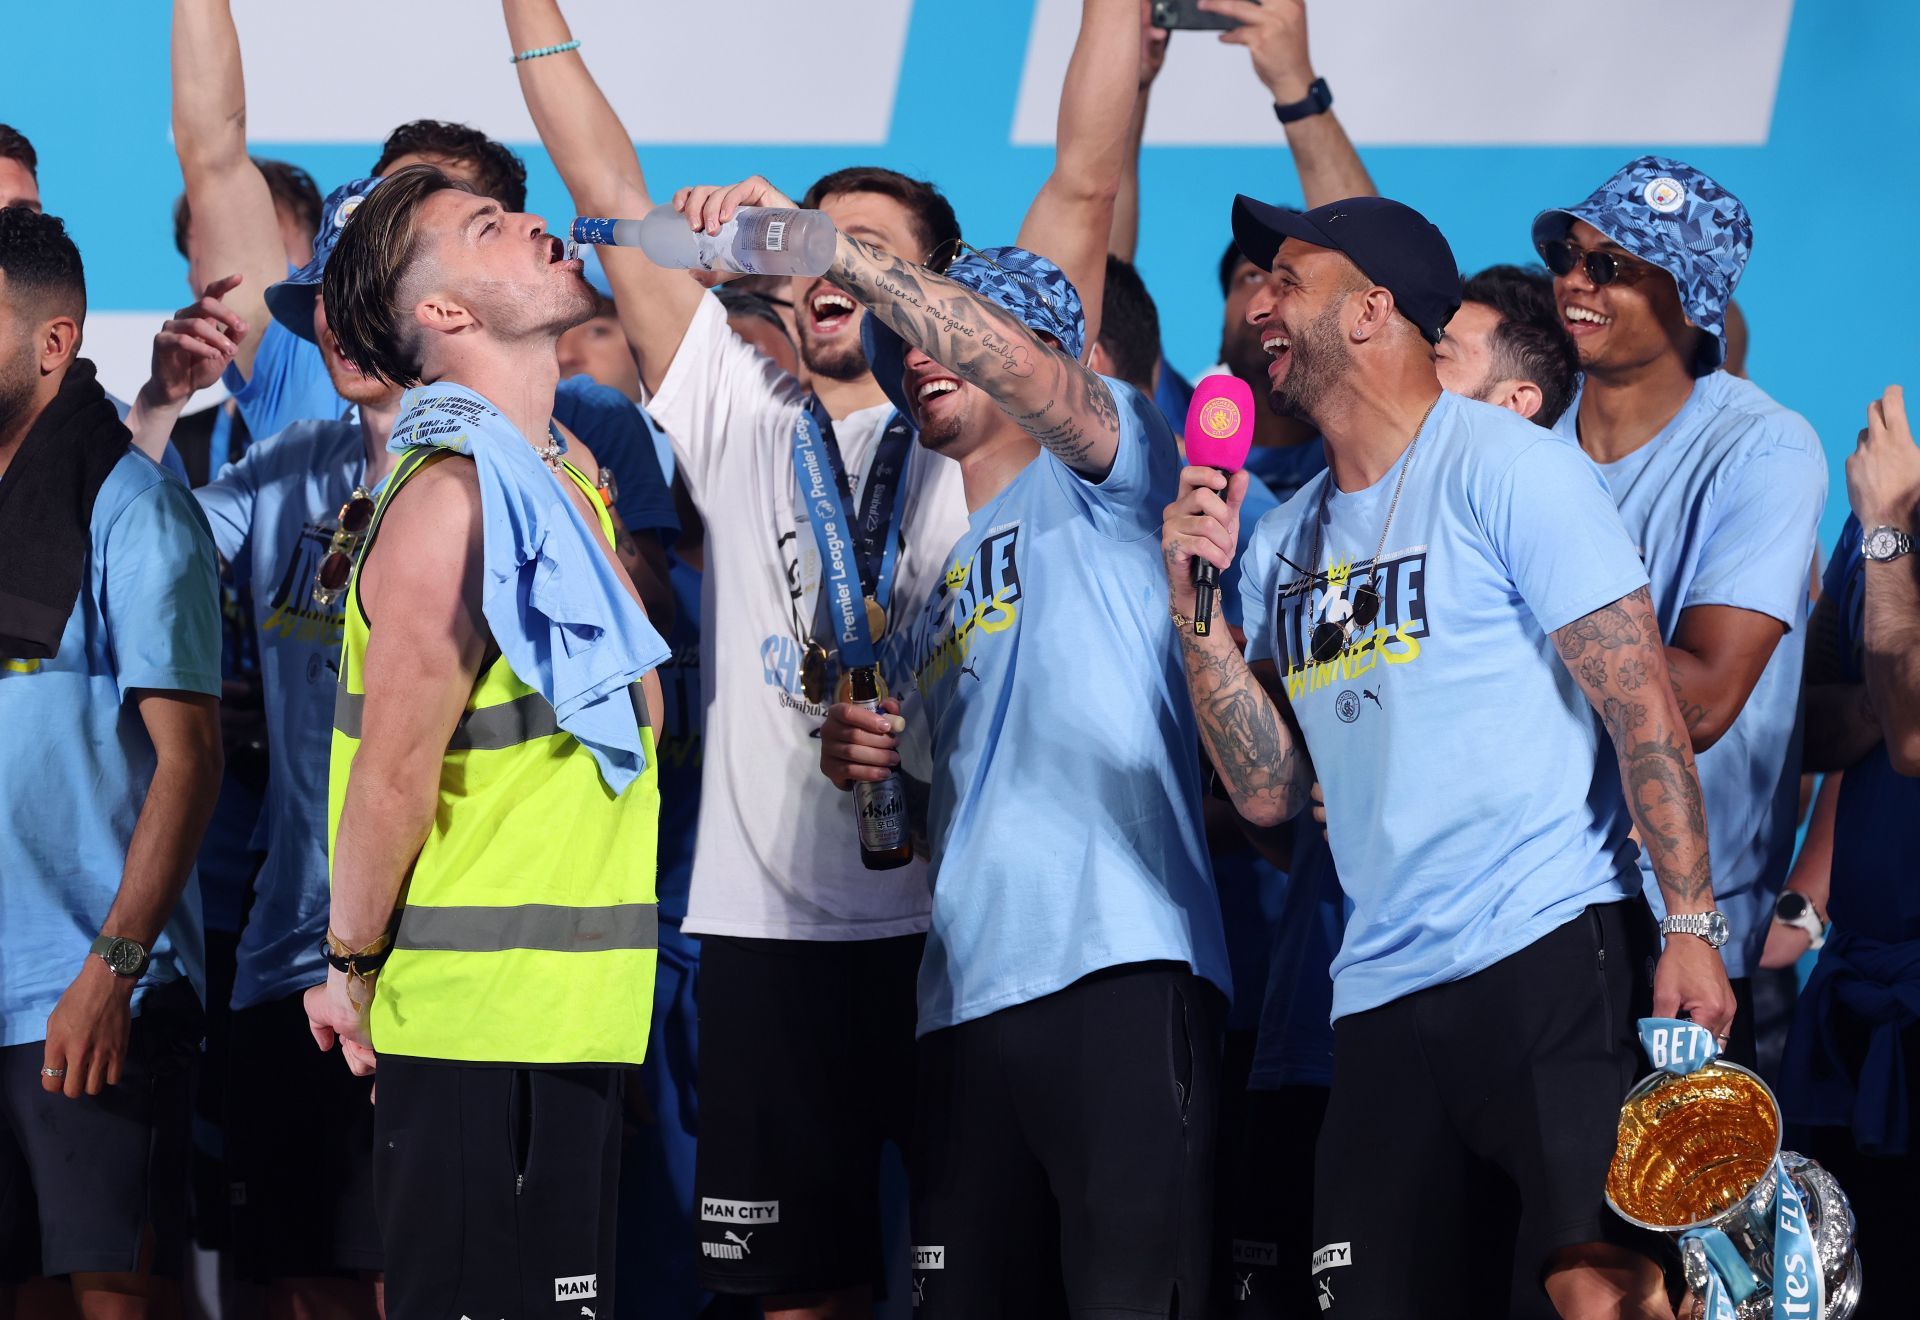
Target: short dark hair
(14, 146)
(1530, 343)
(741, 302)
(498, 172)
(1129, 325)
(369, 267)
(41, 264)
(293, 190)
(932, 212)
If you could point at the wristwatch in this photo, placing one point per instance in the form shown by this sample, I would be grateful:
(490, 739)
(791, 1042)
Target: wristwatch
(1709, 926)
(1317, 101)
(1883, 545)
(124, 957)
(1796, 909)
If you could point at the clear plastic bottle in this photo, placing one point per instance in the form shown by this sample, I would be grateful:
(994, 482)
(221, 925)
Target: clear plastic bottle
(881, 808)
(759, 240)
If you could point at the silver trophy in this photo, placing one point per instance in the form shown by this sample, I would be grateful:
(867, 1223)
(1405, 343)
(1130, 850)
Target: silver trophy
(1696, 1152)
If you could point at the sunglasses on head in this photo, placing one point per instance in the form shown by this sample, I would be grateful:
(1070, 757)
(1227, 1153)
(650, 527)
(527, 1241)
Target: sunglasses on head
(1602, 267)
(1329, 638)
(336, 566)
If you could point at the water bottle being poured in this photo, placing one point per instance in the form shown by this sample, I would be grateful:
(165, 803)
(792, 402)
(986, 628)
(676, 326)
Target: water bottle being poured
(759, 240)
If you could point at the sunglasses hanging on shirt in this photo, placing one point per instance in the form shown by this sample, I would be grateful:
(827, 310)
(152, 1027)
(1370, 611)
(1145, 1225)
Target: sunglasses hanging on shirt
(336, 566)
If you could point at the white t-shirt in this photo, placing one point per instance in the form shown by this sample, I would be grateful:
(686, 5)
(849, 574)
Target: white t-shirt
(776, 855)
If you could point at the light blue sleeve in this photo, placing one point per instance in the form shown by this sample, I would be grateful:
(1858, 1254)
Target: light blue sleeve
(1557, 533)
(161, 596)
(1765, 527)
(289, 384)
(227, 502)
(175, 466)
(1129, 502)
(1257, 566)
(1259, 502)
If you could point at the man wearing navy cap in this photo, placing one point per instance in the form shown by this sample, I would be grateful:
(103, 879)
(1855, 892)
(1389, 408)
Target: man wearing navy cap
(1721, 489)
(1403, 612)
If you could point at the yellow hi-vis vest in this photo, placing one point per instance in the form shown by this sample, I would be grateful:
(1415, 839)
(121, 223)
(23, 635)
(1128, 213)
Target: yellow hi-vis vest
(529, 928)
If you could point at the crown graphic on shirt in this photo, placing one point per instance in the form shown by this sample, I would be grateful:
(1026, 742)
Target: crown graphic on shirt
(1337, 575)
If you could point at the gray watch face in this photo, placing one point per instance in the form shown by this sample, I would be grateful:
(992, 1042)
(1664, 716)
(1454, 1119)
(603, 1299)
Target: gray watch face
(1882, 543)
(1717, 931)
(126, 958)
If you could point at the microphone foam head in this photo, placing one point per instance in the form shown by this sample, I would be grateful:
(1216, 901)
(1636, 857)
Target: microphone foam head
(1220, 423)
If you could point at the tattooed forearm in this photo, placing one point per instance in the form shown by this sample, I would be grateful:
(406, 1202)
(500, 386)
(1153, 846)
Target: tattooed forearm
(1617, 657)
(1063, 405)
(1259, 758)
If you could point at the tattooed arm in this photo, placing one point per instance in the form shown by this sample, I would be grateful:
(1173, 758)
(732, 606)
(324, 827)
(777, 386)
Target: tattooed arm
(1243, 720)
(1060, 403)
(1616, 656)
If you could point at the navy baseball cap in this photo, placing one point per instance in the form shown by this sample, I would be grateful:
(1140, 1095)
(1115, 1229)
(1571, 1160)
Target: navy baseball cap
(291, 300)
(1023, 282)
(1675, 217)
(1393, 245)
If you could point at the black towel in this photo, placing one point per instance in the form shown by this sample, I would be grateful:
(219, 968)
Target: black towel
(46, 509)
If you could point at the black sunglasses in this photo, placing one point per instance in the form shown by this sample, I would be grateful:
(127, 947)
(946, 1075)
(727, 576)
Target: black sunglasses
(1603, 268)
(1329, 638)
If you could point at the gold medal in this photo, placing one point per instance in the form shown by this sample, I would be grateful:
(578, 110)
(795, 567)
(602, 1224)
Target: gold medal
(876, 620)
(813, 672)
(844, 691)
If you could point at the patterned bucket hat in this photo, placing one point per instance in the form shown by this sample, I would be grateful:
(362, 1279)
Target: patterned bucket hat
(1671, 215)
(1023, 282)
(291, 300)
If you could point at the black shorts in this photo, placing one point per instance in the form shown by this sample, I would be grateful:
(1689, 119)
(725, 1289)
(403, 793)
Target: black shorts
(1062, 1159)
(81, 1181)
(299, 1152)
(1470, 1127)
(496, 1188)
(1266, 1223)
(806, 1069)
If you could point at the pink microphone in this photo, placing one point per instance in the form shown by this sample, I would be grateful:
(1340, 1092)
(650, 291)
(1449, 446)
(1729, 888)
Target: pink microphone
(1219, 434)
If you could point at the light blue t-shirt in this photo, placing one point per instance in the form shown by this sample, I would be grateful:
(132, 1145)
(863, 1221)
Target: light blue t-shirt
(1724, 505)
(1065, 814)
(1468, 810)
(80, 760)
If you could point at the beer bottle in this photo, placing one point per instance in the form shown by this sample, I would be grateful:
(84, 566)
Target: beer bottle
(881, 808)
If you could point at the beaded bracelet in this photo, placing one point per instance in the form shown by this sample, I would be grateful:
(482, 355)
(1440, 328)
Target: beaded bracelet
(538, 51)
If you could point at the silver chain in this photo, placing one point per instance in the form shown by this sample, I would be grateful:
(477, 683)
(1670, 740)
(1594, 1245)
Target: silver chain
(1326, 495)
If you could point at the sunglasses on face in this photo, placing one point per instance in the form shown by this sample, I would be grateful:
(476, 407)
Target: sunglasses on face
(1602, 267)
(336, 566)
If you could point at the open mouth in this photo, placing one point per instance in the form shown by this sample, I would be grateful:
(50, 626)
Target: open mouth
(344, 362)
(1278, 347)
(832, 311)
(1584, 320)
(560, 253)
(928, 390)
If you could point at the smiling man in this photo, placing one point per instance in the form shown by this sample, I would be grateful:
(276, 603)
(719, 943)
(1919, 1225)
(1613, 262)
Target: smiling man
(1456, 591)
(1721, 489)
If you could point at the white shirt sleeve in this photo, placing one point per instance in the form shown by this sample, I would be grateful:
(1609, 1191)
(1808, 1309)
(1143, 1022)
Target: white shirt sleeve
(719, 393)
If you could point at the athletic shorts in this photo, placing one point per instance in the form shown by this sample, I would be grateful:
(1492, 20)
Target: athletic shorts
(299, 1152)
(1266, 1224)
(806, 1068)
(1470, 1127)
(497, 1189)
(86, 1179)
(1062, 1159)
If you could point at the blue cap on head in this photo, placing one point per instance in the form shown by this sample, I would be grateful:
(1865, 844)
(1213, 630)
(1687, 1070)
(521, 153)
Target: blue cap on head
(1023, 282)
(291, 300)
(1670, 215)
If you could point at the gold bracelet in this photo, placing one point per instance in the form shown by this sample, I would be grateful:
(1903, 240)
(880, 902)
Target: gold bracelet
(1180, 620)
(340, 948)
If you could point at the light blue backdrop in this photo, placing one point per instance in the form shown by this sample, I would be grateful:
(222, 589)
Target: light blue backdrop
(1829, 291)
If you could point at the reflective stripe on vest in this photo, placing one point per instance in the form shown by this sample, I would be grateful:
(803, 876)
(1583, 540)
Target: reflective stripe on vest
(529, 926)
(487, 729)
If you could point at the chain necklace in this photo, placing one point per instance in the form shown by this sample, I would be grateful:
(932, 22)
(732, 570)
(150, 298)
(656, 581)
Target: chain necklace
(550, 452)
(1326, 496)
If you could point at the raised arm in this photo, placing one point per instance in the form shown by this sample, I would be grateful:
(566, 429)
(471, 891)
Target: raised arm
(1124, 239)
(597, 162)
(1072, 214)
(1275, 34)
(236, 230)
(1243, 721)
(1616, 657)
(1883, 485)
